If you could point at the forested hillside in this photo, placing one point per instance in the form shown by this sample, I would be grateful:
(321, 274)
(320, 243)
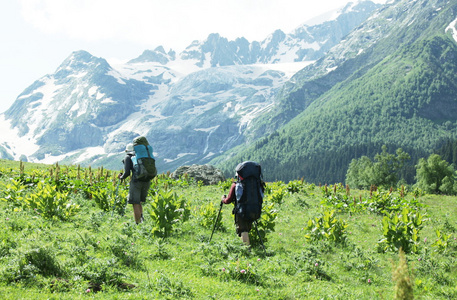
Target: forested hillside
(400, 92)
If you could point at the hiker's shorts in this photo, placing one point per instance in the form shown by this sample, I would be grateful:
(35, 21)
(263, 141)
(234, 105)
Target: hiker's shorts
(242, 225)
(138, 191)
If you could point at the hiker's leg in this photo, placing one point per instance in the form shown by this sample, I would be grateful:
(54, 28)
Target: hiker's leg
(137, 194)
(245, 238)
(242, 229)
(137, 211)
(144, 193)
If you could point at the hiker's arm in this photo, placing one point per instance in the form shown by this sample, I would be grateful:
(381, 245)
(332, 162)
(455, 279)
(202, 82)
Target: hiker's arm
(231, 196)
(128, 165)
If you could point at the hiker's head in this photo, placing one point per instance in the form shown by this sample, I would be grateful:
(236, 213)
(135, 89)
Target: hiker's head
(129, 149)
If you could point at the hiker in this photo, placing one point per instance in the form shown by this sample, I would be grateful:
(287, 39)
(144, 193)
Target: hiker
(247, 195)
(139, 161)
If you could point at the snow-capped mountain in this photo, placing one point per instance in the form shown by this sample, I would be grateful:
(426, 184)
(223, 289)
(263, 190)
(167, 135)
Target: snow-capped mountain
(192, 106)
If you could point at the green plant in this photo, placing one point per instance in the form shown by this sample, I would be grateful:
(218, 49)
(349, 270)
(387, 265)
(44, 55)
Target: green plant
(109, 197)
(124, 250)
(326, 227)
(339, 202)
(100, 272)
(49, 202)
(7, 242)
(13, 192)
(383, 202)
(401, 231)
(441, 242)
(167, 209)
(294, 186)
(404, 281)
(171, 288)
(275, 193)
(160, 249)
(225, 185)
(38, 260)
(265, 224)
(206, 216)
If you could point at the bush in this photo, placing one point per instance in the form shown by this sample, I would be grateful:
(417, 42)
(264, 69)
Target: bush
(38, 261)
(166, 210)
(435, 175)
(401, 231)
(326, 227)
(49, 202)
(207, 214)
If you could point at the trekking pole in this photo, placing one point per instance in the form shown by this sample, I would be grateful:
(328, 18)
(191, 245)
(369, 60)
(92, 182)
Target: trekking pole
(258, 233)
(215, 222)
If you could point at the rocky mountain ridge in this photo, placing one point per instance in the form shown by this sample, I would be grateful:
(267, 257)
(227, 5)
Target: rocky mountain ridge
(192, 106)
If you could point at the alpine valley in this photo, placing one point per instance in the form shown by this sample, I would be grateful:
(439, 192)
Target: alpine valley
(303, 104)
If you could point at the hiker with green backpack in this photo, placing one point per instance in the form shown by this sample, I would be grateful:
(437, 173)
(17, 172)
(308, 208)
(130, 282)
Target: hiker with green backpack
(139, 161)
(247, 195)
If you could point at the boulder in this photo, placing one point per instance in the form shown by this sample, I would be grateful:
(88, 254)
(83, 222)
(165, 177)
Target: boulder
(206, 173)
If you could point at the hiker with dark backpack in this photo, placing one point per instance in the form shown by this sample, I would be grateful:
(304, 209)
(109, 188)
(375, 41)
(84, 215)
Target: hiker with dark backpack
(247, 195)
(140, 162)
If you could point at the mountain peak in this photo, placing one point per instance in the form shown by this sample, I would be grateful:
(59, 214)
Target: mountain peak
(80, 61)
(157, 55)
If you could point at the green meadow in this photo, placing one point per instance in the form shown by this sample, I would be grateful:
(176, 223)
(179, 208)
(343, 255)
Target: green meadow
(66, 233)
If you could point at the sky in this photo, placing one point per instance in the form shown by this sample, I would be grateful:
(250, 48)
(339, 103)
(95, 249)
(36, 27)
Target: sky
(38, 35)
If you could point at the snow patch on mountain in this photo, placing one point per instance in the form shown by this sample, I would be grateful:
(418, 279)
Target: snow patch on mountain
(16, 144)
(452, 27)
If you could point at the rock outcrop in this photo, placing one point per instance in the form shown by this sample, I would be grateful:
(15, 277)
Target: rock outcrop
(208, 174)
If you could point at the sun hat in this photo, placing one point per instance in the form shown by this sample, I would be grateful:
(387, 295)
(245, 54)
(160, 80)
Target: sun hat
(129, 149)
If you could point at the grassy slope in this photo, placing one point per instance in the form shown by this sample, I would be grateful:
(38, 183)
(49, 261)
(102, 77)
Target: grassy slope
(399, 93)
(185, 265)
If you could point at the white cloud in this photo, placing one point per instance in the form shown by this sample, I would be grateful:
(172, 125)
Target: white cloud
(172, 23)
(37, 35)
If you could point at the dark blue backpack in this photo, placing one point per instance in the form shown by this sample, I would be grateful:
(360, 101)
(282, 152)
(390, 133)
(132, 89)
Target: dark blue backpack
(249, 191)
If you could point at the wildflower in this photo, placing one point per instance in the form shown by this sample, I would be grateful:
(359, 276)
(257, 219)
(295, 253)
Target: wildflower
(316, 264)
(243, 271)
(419, 259)
(425, 240)
(88, 291)
(258, 259)
(257, 290)
(7, 219)
(369, 280)
(223, 269)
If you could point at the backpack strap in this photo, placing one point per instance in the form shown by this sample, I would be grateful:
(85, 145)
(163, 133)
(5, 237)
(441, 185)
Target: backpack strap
(147, 150)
